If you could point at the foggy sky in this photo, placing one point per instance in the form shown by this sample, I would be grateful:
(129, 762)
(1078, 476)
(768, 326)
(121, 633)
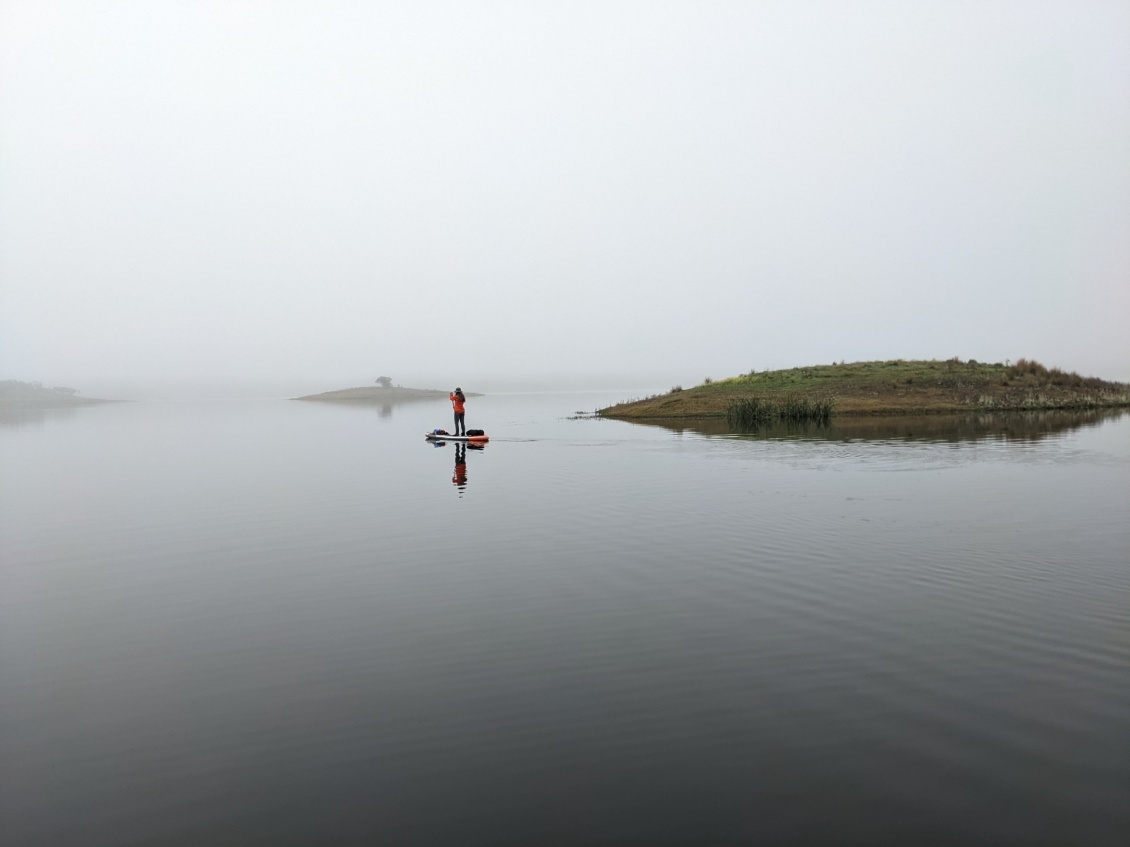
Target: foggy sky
(307, 195)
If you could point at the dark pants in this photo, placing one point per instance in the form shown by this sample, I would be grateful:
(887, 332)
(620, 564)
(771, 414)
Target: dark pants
(460, 427)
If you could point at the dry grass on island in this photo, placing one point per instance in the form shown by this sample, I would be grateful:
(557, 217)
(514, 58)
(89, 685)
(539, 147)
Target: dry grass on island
(882, 388)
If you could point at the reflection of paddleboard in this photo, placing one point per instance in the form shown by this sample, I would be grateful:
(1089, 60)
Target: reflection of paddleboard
(470, 439)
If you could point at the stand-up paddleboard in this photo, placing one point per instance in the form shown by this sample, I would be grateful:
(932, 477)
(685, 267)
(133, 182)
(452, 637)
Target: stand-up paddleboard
(443, 436)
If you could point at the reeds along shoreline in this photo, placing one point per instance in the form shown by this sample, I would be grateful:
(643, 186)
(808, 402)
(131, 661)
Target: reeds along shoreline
(755, 411)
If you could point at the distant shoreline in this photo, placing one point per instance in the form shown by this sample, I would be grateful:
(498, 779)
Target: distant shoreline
(15, 394)
(374, 394)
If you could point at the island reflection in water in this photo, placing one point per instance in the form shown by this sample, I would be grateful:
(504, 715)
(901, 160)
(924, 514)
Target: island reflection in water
(1003, 426)
(19, 417)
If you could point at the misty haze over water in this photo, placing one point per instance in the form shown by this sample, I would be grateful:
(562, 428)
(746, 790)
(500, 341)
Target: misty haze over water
(203, 199)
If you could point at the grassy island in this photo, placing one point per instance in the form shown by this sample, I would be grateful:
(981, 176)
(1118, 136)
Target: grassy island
(379, 395)
(890, 387)
(15, 395)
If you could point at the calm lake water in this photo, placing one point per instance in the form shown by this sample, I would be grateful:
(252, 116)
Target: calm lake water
(298, 623)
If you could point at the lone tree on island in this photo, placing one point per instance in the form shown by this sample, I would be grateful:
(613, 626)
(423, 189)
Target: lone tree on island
(384, 381)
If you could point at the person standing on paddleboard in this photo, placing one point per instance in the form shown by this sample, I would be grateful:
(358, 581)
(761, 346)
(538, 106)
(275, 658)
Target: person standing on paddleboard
(457, 400)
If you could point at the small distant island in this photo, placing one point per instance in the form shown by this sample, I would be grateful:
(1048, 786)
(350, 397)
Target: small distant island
(895, 386)
(383, 392)
(15, 394)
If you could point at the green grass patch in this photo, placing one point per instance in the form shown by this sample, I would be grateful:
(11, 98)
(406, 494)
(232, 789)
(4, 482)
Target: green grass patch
(752, 412)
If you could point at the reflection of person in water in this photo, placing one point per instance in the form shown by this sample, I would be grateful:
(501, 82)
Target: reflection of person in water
(460, 478)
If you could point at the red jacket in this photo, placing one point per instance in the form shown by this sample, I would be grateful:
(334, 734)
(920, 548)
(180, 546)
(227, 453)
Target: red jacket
(457, 401)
